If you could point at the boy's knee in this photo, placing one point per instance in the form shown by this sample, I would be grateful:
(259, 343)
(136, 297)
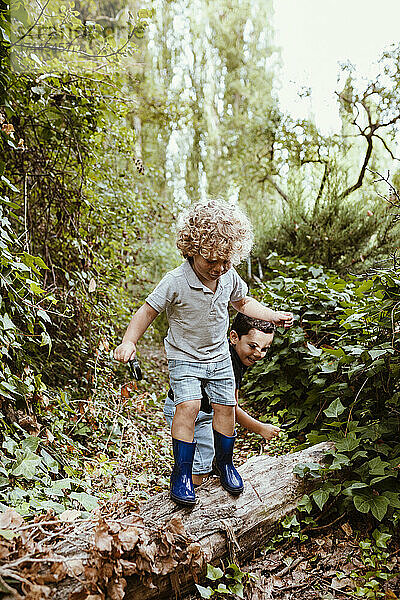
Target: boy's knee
(188, 409)
(223, 409)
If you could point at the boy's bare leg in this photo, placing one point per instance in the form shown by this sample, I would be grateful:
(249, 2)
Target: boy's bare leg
(224, 419)
(183, 421)
(198, 479)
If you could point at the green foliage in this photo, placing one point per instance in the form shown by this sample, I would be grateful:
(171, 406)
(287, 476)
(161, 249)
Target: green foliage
(31, 479)
(229, 583)
(25, 309)
(77, 224)
(69, 156)
(292, 527)
(337, 374)
(106, 444)
(339, 233)
(370, 581)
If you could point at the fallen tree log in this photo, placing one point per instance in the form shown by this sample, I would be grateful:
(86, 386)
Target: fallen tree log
(148, 555)
(227, 526)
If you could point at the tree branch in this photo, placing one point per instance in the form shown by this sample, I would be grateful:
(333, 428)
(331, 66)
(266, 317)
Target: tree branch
(31, 27)
(276, 186)
(322, 185)
(393, 157)
(360, 179)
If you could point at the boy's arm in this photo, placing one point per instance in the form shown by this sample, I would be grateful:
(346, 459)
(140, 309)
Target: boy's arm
(266, 430)
(136, 328)
(252, 308)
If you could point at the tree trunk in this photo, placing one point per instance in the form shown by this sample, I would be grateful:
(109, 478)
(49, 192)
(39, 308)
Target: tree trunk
(120, 558)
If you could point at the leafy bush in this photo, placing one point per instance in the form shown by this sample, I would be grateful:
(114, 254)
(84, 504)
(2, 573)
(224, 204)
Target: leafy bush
(336, 373)
(25, 309)
(341, 234)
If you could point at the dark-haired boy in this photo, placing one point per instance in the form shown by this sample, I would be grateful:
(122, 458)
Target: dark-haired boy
(249, 340)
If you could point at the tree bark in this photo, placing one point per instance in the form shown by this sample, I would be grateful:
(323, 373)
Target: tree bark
(228, 527)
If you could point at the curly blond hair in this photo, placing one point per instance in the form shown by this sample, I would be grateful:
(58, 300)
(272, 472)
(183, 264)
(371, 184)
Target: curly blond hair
(216, 230)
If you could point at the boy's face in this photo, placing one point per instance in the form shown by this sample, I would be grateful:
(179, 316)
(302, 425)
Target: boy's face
(251, 347)
(210, 270)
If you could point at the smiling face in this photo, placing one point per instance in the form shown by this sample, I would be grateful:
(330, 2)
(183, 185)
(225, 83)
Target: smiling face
(251, 347)
(210, 270)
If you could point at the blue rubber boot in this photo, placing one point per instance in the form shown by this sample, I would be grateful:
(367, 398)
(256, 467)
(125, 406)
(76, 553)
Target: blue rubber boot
(228, 475)
(181, 486)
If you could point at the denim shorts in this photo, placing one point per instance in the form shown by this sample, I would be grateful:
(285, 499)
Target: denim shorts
(203, 435)
(217, 377)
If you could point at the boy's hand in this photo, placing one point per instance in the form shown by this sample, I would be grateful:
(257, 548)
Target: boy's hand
(125, 351)
(269, 431)
(284, 319)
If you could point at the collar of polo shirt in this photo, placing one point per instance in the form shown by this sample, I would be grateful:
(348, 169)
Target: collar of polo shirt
(194, 281)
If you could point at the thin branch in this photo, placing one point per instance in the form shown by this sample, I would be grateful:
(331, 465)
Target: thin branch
(32, 26)
(81, 52)
(276, 186)
(360, 179)
(393, 157)
(322, 185)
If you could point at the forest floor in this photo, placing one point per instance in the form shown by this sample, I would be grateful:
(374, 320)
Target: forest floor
(338, 557)
(333, 556)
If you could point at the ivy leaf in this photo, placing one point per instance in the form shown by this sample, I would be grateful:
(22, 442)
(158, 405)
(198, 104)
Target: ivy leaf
(313, 350)
(88, 502)
(204, 592)
(303, 468)
(329, 368)
(45, 340)
(377, 353)
(377, 466)
(305, 504)
(347, 444)
(237, 574)
(237, 589)
(356, 485)
(42, 314)
(381, 539)
(47, 505)
(10, 445)
(7, 323)
(334, 409)
(378, 505)
(50, 462)
(289, 522)
(214, 573)
(339, 460)
(393, 497)
(31, 442)
(28, 465)
(35, 288)
(338, 352)
(320, 497)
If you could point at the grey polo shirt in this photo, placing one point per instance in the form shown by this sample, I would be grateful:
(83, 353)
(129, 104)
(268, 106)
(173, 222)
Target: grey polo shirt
(198, 318)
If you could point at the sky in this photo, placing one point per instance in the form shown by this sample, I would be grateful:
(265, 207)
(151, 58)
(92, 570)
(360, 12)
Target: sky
(315, 36)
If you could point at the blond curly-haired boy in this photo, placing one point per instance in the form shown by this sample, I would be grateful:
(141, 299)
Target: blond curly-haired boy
(212, 236)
